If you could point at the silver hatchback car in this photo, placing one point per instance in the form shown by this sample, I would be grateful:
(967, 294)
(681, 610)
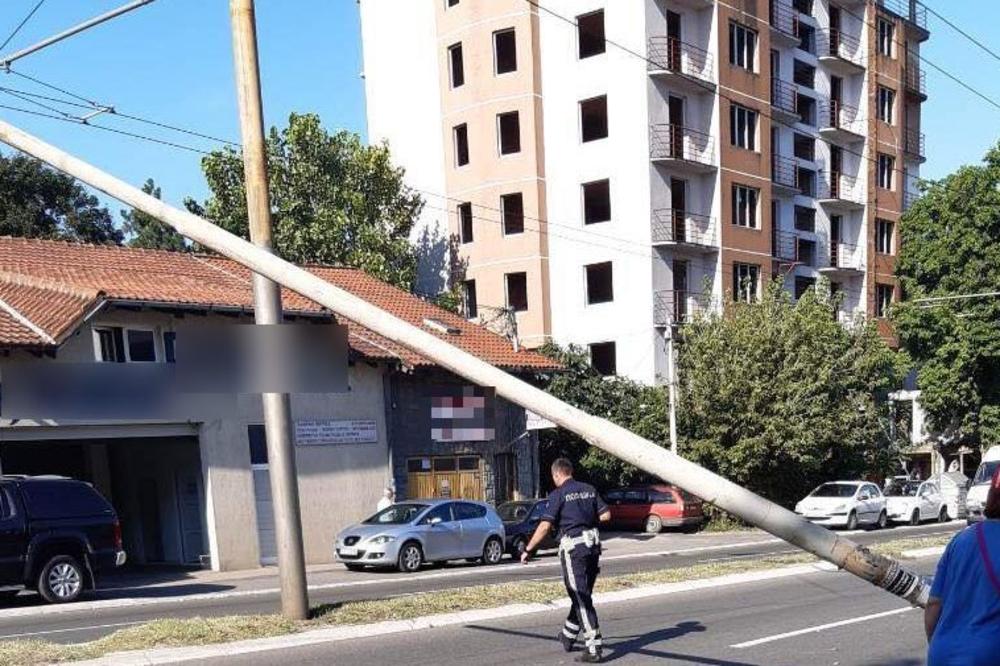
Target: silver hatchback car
(408, 534)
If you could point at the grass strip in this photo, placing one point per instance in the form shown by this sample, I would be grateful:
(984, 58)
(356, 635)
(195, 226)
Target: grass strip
(195, 631)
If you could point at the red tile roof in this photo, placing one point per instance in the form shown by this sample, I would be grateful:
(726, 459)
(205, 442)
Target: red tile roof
(54, 284)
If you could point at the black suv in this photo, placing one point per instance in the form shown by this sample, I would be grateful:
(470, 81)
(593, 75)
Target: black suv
(56, 534)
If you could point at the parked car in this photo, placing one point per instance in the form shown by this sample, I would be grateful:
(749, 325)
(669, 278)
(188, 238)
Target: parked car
(651, 508)
(408, 534)
(56, 536)
(845, 504)
(976, 498)
(915, 501)
(520, 520)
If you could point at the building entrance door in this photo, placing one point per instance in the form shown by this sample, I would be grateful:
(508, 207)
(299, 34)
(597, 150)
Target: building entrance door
(448, 477)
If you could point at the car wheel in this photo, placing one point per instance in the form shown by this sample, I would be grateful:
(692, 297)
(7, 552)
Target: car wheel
(852, 520)
(492, 551)
(653, 525)
(410, 558)
(915, 518)
(883, 521)
(354, 567)
(943, 516)
(61, 580)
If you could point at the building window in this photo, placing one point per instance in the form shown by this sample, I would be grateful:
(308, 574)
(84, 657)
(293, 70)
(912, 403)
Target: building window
(517, 291)
(465, 222)
(141, 346)
(886, 165)
(742, 46)
(886, 104)
(805, 219)
(805, 179)
(512, 207)
(746, 282)
(457, 65)
(886, 37)
(597, 202)
(509, 132)
(600, 288)
(804, 147)
(602, 358)
(803, 6)
(804, 74)
(805, 251)
(594, 118)
(745, 206)
(802, 285)
(742, 127)
(461, 137)
(110, 345)
(884, 236)
(883, 299)
(470, 307)
(257, 438)
(807, 37)
(590, 34)
(805, 107)
(170, 346)
(505, 51)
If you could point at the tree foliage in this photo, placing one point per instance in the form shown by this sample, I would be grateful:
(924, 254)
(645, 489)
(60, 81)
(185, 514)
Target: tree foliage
(778, 396)
(950, 245)
(145, 231)
(38, 202)
(333, 200)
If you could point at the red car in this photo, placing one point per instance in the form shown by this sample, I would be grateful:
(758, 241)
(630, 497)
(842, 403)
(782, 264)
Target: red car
(651, 508)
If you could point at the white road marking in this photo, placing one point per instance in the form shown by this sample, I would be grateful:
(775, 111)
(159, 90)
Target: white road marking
(822, 627)
(71, 629)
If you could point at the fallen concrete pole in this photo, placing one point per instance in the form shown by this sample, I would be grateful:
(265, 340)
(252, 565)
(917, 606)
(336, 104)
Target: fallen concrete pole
(644, 454)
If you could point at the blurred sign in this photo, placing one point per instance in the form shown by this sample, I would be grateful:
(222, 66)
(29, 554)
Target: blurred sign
(327, 431)
(535, 422)
(462, 414)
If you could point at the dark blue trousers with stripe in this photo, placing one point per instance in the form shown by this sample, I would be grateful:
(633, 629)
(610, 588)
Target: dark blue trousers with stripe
(580, 566)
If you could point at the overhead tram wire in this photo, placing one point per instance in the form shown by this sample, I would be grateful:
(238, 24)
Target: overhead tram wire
(20, 25)
(962, 32)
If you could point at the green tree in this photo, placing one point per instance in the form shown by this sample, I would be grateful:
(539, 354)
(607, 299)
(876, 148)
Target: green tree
(39, 202)
(333, 200)
(778, 396)
(147, 232)
(950, 246)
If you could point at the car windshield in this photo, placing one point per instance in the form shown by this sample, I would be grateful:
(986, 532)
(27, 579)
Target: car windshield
(902, 489)
(986, 471)
(835, 490)
(514, 512)
(397, 514)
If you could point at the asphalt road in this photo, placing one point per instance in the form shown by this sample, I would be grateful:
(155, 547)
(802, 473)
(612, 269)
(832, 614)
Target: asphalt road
(822, 618)
(127, 605)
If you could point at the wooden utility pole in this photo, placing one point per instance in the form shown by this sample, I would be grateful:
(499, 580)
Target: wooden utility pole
(267, 312)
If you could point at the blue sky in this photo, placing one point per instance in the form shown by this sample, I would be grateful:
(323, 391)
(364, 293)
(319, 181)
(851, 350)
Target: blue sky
(172, 62)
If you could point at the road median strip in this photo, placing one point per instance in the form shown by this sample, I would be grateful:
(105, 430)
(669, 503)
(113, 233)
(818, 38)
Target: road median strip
(173, 640)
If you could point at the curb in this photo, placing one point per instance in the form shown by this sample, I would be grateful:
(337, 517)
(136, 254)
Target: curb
(921, 552)
(337, 634)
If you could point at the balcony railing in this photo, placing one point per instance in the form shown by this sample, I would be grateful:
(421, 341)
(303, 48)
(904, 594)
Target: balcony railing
(914, 142)
(673, 307)
(784, 96)
(784, 19)
(669, 141)
(669, 54)
(671, 225)
(915, 78)
(909, 198)
(835, 43)
(840, 187)
(784, 171)
(784, 246)
(839, 116)
(915, 13)
(845, 257)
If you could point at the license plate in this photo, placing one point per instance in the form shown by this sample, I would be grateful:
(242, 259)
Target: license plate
(349, 552)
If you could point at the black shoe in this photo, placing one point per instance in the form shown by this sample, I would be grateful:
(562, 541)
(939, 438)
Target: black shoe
(589, 657)
(567, 642)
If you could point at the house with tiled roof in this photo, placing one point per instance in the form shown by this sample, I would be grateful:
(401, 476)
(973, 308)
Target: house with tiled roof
(195, 489)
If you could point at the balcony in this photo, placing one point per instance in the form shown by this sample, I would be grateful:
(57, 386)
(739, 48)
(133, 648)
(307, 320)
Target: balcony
(841, 123)
(784, 24)
(841, 192)
(915, 80)
(683, 230)
(844, 261)
(695, 4)
(909, 198)
(785, 102)
(914, 144)
(912, 12)
(840, 52)
(784, 176)
(683, 149)
(673, 307)
(784, 246)
(683, 66)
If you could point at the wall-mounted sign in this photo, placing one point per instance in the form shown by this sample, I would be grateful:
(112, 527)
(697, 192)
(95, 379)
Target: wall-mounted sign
(535, 422)
(327, 431)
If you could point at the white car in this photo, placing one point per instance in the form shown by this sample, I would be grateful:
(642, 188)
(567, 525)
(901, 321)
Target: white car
(915, 501)
(845, 504)
(981, 485)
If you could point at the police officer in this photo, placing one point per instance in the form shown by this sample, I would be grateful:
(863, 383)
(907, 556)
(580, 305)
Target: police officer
(575, 508)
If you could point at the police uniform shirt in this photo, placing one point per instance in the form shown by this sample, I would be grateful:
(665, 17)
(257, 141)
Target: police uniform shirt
(574, 507)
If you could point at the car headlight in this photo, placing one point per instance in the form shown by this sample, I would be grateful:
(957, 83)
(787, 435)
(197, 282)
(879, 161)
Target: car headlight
(382, 540)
